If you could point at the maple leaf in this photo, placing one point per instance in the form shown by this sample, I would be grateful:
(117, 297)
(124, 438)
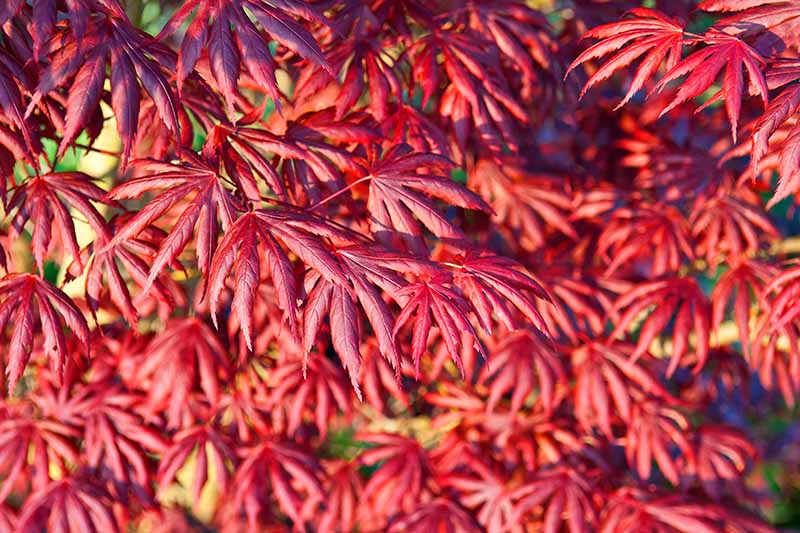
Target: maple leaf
(564, 490)
(652, 33)
(702, 67)
(528, 203)
(293, 382)
(187, 355)
(48, 198)
(433, 302)
(104, 259)
(17, 295)
(774, 23)
(399, 192)
(407, 125)
(366, 271)
(301, 232)
(379, 379)
(362, 58)
(274, 470)
(743, 282)
(631, 233)
(722, 456)
(439, 514)
(654, 429)
(303, 164)
(491, 282)
(631, 508)
(12, 77)
(400, 480)
(779, 115)
(486, 489)
(606, 379)
(33, 447)
(731, 223)
(212, 451)
(477, 94)
(674, 166)
(133, 61)
(210, 201)
(681, 297)
(116, 440)
(210, 29)
(781, 309)
(515, 360)
(578, 304)
(343, 490)
(241, 411)
(73, 504)
(522, 35)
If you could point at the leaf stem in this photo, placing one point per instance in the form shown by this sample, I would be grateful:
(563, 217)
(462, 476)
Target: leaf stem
(340, 191)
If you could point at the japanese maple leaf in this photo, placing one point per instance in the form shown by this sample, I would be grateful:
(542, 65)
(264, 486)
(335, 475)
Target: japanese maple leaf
(361, 60)
(652, 433)
(344, 489)
(73, 504)
(562, 494)
(530, 204)
(187, 355)
(578, 303)
(645, 32)
(723, 455)
(778, 366)
(631, 509)
(368, 272)
(403, 471)
(133, 256)
(341, 305)
(34, 447)
(440, 514)
(523, 36)
(781, 113)
(477, 95)
(702, 67)
(195, 180)
(407, 125)
(681, 297)
(303, 163)
(485, 490)
(20, 294)
(491, 283)
(519, 360)
(213, 452)
(46, 200)
(278, 472)
(399, 196)
(433, 302)
(782, 307)
(729, 221)
(737, 287)
(12, 78)
(295, 382)
(44, 16)
(211, 30)
(773, 23)
(301, 232)
(606, 383)
(133, 62)
(116, 440)
(656, 234)
(379, 379)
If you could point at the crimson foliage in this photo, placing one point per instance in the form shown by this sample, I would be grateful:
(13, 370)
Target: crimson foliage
(367, 265)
